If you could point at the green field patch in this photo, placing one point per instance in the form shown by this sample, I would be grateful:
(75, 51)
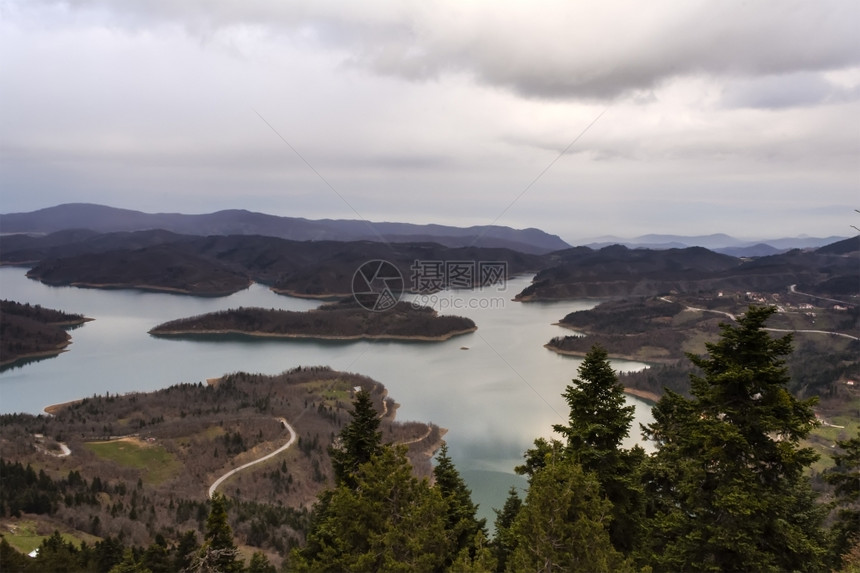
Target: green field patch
(825, 461)
(155, 463)
(837, 434)
(335, 394)
(24, 535)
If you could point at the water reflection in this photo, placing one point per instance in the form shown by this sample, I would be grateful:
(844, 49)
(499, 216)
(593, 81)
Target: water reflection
(495, 398)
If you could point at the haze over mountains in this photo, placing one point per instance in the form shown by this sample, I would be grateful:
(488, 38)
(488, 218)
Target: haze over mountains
(719, 242)
(220, 253)
(104, 219)
(240, 222)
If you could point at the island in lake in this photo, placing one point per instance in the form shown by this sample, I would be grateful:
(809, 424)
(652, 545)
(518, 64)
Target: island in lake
(344, 320)
(31, 331)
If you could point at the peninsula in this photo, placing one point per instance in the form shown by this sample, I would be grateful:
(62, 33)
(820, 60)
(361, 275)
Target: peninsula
(31, 331)
(144, 463)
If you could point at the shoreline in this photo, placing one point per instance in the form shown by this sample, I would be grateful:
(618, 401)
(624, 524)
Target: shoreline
(615, 356)
(36, 355)
(538, 298)
(645, 395)
(569, 327)
(147, 288)
(295, 294)
(52, 409)
(52, 352)
(275, 335)
(67, 323)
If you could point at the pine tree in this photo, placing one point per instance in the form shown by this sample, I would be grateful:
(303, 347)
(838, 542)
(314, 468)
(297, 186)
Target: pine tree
(478, 557)
(537, 456)
(218, 552)
(845, 479)
(185, 551)
(461, 523)
(260, 564)
(504, 540)
(599, 421)
(56, 555)
(563, 524)
(11, 559)
(388, 520)
(727, 491)
(358, 442)
(156, 557)
(599, 417)
(129, 564)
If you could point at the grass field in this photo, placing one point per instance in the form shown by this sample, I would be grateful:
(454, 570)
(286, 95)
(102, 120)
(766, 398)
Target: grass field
(824, 437)
(334, 394)
(156, 463)
(25, 536)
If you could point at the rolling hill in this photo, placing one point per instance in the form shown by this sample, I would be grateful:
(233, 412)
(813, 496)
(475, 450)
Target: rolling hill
(105, 219)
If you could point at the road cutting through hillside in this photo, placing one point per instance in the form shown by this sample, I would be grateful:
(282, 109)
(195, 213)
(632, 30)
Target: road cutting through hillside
(234, 471)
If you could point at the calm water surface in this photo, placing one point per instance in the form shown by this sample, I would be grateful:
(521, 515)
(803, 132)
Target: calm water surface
(494, 398)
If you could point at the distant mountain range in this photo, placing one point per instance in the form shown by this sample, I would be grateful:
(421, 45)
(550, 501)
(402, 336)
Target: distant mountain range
(216, 265)
(718, 242)
(617, 271)
(104, 219)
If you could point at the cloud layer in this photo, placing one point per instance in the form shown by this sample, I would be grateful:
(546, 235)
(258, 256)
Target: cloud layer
(714, 115)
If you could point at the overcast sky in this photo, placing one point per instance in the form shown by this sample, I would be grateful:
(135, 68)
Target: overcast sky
(581, 118)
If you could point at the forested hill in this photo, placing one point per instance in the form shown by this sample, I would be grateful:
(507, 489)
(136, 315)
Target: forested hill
(141, 464)
(218, 265)
(342, 321)
(30, 331)
(104, 219)
(617, 271)
(224, 264)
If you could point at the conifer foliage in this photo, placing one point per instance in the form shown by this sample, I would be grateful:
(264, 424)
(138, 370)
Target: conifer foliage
(390, 521)
(585, 486)
(563, 524)
(359, 440)
(461, 524)
(845, 479)
(379, 517)
(725, 489)
(218, 552)
(599, 421)
(726, 485)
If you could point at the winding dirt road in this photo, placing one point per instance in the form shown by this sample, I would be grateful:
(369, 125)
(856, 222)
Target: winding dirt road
(234, 471)
(808, 331)
(830, 332)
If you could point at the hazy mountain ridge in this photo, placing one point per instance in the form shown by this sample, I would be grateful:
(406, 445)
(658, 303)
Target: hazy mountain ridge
(718, 242)
(105, 219)
(618, 271)
(220, 264)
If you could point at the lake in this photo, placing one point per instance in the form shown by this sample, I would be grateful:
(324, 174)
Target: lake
(494, 398)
